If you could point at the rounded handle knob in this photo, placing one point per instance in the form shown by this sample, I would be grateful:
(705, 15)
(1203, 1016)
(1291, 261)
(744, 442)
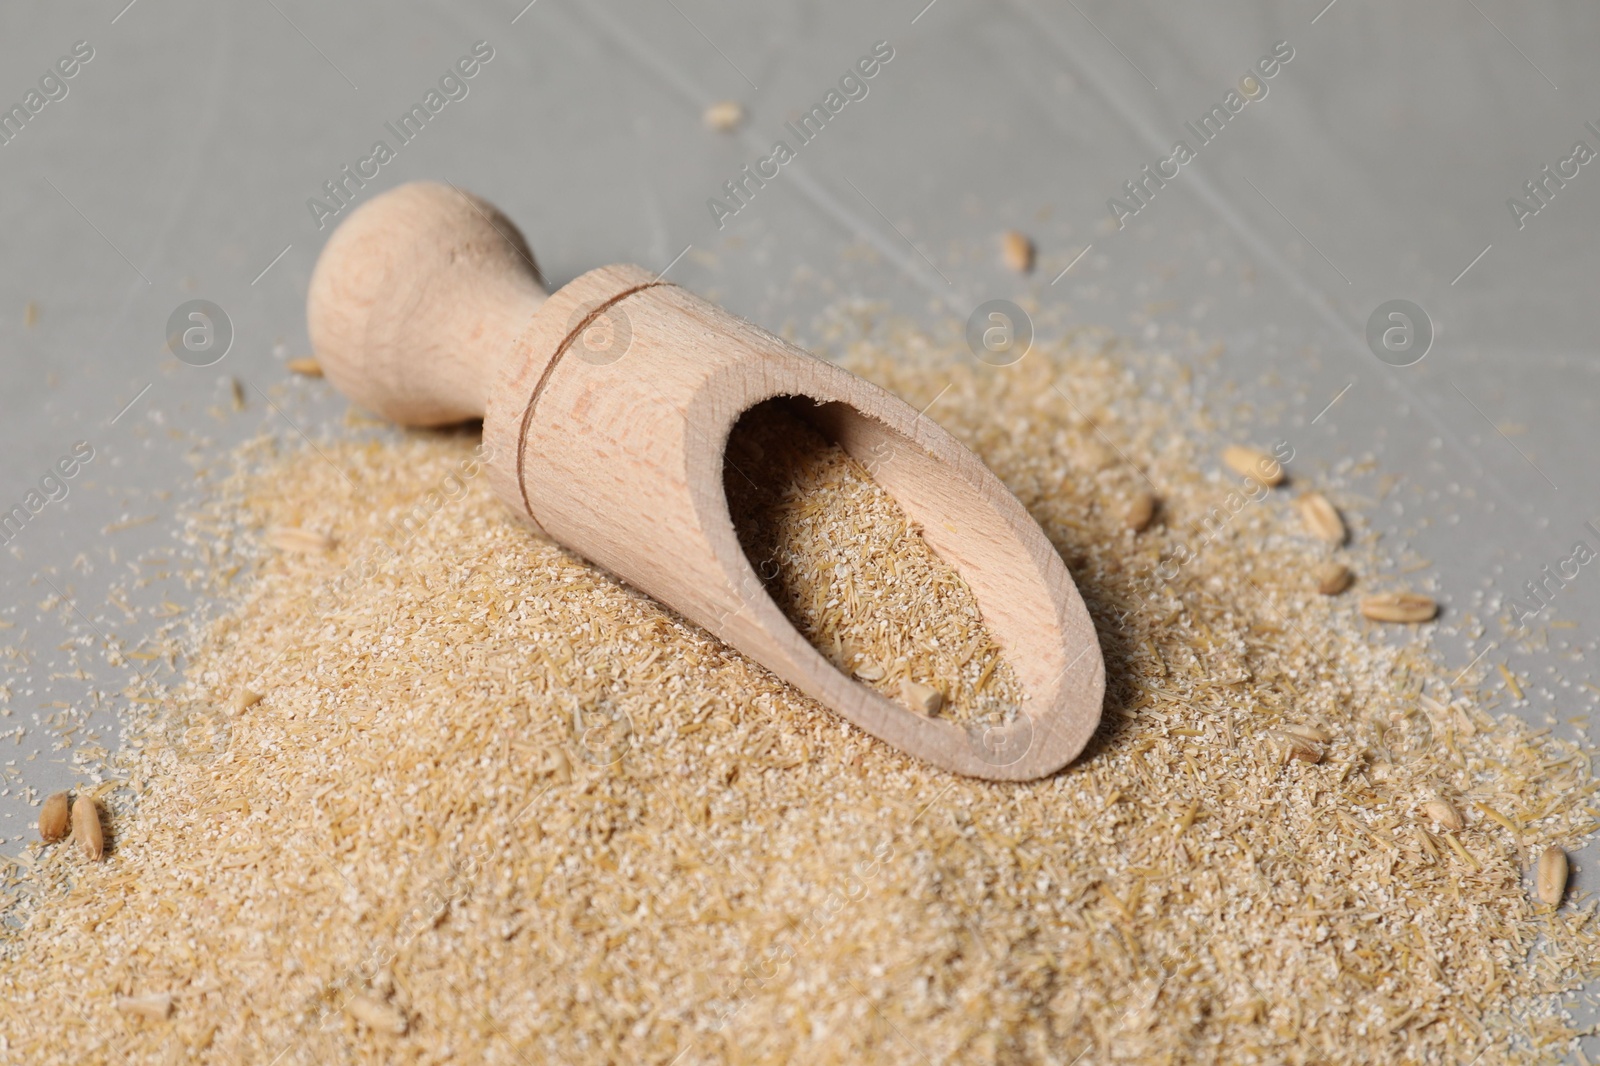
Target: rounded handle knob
(416, 298)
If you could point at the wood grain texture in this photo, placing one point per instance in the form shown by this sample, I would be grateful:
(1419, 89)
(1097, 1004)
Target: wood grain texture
(607, 408)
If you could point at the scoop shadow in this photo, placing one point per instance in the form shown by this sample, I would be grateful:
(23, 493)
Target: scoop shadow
(1108, 608)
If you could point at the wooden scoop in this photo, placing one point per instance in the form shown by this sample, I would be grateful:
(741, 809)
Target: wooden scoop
(607, 407)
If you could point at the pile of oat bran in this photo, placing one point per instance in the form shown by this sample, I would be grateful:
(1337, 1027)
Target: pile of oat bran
(495, 807)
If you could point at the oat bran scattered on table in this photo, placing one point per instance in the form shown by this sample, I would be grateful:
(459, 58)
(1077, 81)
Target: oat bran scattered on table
(494, 807)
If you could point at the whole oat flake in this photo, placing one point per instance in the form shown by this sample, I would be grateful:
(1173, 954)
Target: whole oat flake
(438, 791)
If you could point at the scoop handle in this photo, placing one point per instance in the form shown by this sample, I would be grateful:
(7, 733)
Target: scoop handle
(416, 298)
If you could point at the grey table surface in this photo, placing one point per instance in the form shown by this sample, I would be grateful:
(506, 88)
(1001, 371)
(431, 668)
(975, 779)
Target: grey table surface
(177, 162)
